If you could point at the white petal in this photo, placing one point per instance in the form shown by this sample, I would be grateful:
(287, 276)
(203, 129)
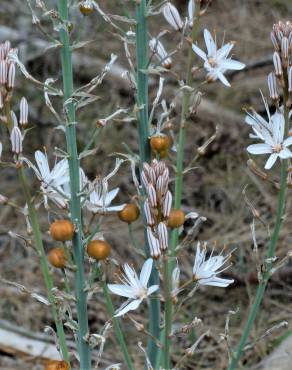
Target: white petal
(271, 161)
(259, 149)
(232, 64)
(122, 290)
(146, 272)
(199, 52)
(215, 281)
(222, 78)
(42, 163)
(223, 52)
(111, 195)
(210, 43)
(285, 153)
(288, 141)
(129, 307)
(115, 208)
(152, 289)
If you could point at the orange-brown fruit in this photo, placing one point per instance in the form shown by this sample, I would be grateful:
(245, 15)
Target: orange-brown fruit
(86, 7)
(62, 230)
(176, 218)
(159, 143)
(98, 249)
(129, 213)
(163, 154)
(57, 258)
(57, 365)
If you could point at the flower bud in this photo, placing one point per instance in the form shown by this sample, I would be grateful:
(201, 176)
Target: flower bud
(285, 48)
(148, 214)
(16, 140)
(153, 244)
(159, 51)
(7, 47)
(275, 41)
(290, 80)
(166, 205)
(1, 101)
(172, 16)
(23, 120)
(162, 236)
(3, 72)
(191, 12)
(272, 84)
(151, 192)
(277, 64)
(11, 76)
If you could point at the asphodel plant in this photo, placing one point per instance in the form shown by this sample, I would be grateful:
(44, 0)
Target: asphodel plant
(82, 265)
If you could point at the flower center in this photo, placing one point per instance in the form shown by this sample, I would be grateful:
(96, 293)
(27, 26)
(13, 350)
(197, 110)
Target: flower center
(212, 62)
(277, 148)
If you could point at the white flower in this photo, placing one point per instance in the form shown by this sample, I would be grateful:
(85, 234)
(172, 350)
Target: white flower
(205, 271)
(133, 287)
(158, 49)
(216, 61)
(100, 198)
(272, 133)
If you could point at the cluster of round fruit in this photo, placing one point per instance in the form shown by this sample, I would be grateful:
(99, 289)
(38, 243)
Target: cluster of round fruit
(63, 230)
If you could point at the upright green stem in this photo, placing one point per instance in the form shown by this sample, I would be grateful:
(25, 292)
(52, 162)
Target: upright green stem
(43, 262)
(178, 187)
(117, 328)
(75, 204)
(144, 148)
(182, 130)
(271, 250)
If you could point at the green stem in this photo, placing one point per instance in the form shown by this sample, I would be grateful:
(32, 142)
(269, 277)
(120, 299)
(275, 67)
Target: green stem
(117, 328)
(75, 204)
(168, 313)
(144, 148)
(182, 130)
(271, 250)
(43, 262)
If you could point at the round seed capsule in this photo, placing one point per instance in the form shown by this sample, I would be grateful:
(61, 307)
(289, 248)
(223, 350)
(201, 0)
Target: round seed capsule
(129, 213)
(62, 230)
(57, 258)
(98, 249)
(56, 365)
(159, 143)
(86, 7)
(176, 218)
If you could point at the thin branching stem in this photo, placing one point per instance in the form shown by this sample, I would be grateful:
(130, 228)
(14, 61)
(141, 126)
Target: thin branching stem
(144, 149)
(75, 204)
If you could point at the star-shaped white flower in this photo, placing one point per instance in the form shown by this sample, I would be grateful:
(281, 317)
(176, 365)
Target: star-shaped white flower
(205, 271)
(100, 198)
(216, 61)
(272, 133)
(133, 287)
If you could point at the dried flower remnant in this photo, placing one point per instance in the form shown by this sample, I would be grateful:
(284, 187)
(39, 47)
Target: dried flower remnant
(205, 270)
(133, 287)
(172, 16)
(161, 54)
(216, 61)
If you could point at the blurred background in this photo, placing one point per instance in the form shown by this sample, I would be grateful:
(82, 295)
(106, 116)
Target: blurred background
(220, 188)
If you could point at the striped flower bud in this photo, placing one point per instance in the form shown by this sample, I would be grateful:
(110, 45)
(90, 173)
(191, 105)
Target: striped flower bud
(11, 76)
(153, 244)
(16, 140)
(14, 119)
(191, 12)
(162, 236)
(151, 192)
(159, 51)
(152, 175)
(148, 214)
(1, 149)
(7, 47)
(23, 119)
(277, 64)
(172, 16)
(272, 84)
(161, 186)
(145, 181)
(1, 101)
(290, 79)
(2, 52)
(3, 72)
(285, 48)
(166, 204)
(275, 41)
